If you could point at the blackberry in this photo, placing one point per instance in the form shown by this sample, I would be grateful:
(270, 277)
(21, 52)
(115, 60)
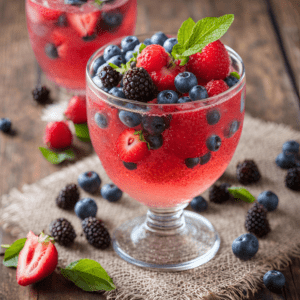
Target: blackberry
(68, 196)
(247, 172)
(219, 193)
(256, 220)
(138, 85)
(109, 77)
(41, 94)
(62, 231)
(292, 179)
(96, 233)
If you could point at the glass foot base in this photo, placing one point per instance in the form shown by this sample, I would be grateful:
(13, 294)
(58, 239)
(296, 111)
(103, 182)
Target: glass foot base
(189, 246)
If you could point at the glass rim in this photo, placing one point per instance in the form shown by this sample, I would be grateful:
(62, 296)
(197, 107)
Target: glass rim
(208, 101)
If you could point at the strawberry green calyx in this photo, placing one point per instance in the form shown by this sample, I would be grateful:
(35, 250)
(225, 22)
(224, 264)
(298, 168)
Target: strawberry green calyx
(141, 137)
(193, 37)
(46, 239)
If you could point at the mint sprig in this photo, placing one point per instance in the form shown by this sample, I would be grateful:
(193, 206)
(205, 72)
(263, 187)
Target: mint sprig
(235, 74)
(11, 255)
(57, 157)
(242, 194)
(193, 37)
(82, 132)
(88, 275)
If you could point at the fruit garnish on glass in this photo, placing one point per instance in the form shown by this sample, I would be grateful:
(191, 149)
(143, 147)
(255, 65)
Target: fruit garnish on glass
(165, 125)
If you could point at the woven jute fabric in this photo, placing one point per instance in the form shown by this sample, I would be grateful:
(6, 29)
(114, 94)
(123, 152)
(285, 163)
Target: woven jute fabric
(225, 276)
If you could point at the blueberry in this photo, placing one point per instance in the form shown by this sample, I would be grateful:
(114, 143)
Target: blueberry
(205, 158)
(285, 161)
(5, 125)
(137, 48)
(85, 208)
(169, 44)
(155, 141)
(117, 60)
(268, 199)
(101, 120)
(89, 181)
(154, 125)
(128, 55)
(213, 117)
(130, 165)
(184, 99)
(111, 192)
(99, 84)
(117, 92)
(231, 80)
(167, 97)
(112, 19)
(198, 92)
(111, 51)
(213, 143)
(75, 2)
(290, 146)
(158, 38)
(274, 281)
(129, 42)
(129, 118)
(245, 246)
(199, 204)
(192, 162)
(99, 61)
(185, 81)
(147, 42)
(62, 21)
(51, 51)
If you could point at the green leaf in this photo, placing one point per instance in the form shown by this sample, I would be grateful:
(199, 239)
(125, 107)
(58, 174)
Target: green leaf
(82, 131)
(88, 275)
(185, 31)
(99, 2)
(235, 74)
(142, 47)
(142, 138)
(242, 194)
(12, 253)
(177, 50)
(5, 246)
(57, 157)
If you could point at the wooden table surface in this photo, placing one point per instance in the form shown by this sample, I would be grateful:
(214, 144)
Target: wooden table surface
(265, 33)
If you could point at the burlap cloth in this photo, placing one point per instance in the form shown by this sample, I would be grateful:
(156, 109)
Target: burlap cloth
(225, 276)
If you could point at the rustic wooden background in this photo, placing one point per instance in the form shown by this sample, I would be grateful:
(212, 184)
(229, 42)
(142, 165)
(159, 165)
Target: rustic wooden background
(265, 33)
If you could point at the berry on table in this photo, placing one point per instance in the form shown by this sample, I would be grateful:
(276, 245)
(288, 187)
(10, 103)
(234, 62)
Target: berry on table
(62, 231)
(198, 92)
(167, 97)
(85, 208)
(199, 204)
(216, 87)
(76, 110)
(109, 77)
(154, 125)
(57, 135)
(292, 179)
(247, 172)
(101, 120)
(89, 181)
(96, 233)
(274, 281)
(185, 81)
(158, 38)
(245, 246)
(129, 43)
(256, 220)
(269, 200)
(219, 193)
(231, 80)
(41, 94)
(111, 192)
(213, 143)
(68, 196)
(129, 118)
(169, 44)
(110, 51)
(290, 147)
(5, 125)
(192, 162)
(285, 160)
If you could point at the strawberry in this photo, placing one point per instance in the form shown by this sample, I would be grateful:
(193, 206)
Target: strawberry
(40, 13)
(153, 58)
(57, 135)
(212, 63)
(84, 24)
(76, 110)
(58, 37)
(37, 259)
(131, 146)
(215, 87)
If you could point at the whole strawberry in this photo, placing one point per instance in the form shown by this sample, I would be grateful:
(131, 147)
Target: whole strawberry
(76, 110)
(57, 135)
(216, 87)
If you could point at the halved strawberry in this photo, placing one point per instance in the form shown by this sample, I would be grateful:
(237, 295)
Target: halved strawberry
(76, 110)
(84, 24)
(40, 13)
(37, 259)
(131, 146)
(58, 37)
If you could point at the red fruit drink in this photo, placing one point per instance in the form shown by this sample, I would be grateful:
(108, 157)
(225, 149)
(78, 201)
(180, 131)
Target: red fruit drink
(64, 36)
(207, 131)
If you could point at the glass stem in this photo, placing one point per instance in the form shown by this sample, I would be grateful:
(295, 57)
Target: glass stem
(166, 221)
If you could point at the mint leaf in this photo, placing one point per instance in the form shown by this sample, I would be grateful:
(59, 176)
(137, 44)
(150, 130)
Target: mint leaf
(235, 74)
(242, 194)
(5, 246)
(82, 131)
(57, 157)
(99, 2)
(12, 253)
(88, 275)
(185, 31)
(142, 47)
(177, 50)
